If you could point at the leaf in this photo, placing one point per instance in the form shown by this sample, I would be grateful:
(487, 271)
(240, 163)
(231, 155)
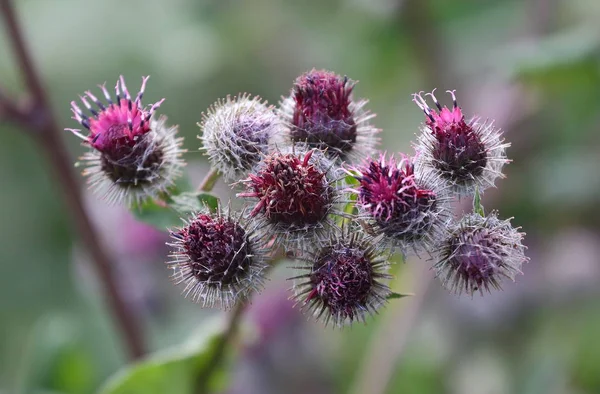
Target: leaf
(477, 207)
(170, 371)
(168, 214)
(157, 213)
(394, 296)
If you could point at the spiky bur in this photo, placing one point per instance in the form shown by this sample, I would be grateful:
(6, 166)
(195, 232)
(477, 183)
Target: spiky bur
(217, 258)
(236, 134)
(346, 278)
(478, 252)
(133, 156)
(466, 155)
(294, 195)
(410, 209)
(322, 113)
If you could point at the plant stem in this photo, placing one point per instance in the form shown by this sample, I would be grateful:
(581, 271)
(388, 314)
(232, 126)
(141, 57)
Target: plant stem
(43, 126)
(209, 181)
(218, 355)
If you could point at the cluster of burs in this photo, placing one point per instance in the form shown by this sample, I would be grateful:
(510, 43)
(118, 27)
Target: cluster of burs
(315, 190)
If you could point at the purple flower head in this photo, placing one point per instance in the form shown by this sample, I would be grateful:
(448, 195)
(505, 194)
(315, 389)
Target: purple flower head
(217, 258)
(237, 133)
(294, 194)
(322, 113)
(464, 154)
(345, 279)
(478, 253)
(408, 209)
(133, 156)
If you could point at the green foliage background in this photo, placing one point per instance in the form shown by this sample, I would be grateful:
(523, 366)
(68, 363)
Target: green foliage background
(533, 65)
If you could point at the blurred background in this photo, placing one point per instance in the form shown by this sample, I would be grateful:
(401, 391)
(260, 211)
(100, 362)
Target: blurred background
(532, 65)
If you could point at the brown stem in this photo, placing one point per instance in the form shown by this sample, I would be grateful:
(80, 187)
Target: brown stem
(41, 120)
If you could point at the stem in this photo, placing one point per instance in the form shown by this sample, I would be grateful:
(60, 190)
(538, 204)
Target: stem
(209, 181)
(43, 124)
(221, 346)
(388, 343)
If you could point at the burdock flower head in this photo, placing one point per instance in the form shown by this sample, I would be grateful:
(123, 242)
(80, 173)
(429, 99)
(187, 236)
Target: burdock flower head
(409, 209)
(133, 156)
(217, 258)
(236, 133)
(478, 253)
(466, 155)
(294, 193)
(345, 279)
(322, 113)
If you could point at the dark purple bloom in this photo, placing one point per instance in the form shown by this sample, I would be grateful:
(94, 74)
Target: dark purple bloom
(133, 156)
(322, 113)
(294, 194)
(406, 208)
(467, 155)
(218, 260)
(344, 282)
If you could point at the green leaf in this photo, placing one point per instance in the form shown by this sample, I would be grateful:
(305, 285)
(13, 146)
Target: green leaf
(477, 207)
(394, 296)
(351, 179)
(172, 371)
(157, 213)
(168, 214)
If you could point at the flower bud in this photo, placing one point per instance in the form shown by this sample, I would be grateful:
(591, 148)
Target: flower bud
(346, 279)
(478, 252)
(294, 193)
(322, 113)
(133, 156)
(466, 155)
(218, 259)
(409, 209)
(236, 134)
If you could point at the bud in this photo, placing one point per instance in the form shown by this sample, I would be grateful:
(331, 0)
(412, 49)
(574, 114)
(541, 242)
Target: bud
(345, 279)
(478, 252)
(218, 259)
(409, 209)
(466, 155)
(236, 134)
(294, 194)
(322, 113)
(133, 156)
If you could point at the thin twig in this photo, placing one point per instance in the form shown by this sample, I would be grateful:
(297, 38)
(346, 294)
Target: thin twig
(48, 135)
(209, 181)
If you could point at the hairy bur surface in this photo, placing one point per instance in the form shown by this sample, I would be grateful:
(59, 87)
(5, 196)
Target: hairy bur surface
(478, 253)
(133, 156)
(403, 207)
(217, 260)
(237, 133)
(343, 284)
(322, 113)
(467, 155)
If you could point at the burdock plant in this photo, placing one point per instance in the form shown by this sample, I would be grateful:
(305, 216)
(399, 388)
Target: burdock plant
(304, 198)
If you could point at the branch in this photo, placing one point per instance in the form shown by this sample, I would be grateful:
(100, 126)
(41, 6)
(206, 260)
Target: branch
(40, 119)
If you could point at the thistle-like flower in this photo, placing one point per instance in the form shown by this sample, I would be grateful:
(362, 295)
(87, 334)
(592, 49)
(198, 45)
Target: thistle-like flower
(294, 193)
(133, 156)
(236, 134)
(218, 259)
(466, 155)
(322, 113)
(478, 252)
(346, 278)
(410, 209)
